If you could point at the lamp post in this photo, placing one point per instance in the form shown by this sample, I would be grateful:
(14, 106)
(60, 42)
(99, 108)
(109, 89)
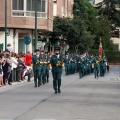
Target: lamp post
(36, 34)
(5, 24)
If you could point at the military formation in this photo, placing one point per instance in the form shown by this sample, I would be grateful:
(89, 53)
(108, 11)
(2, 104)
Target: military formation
(83, 64)
(40, 63)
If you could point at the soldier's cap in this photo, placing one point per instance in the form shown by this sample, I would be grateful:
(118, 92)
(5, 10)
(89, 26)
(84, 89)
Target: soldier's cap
(56, 48)
(37, 50)
(96, 55)
(67, 53)
(42, 50)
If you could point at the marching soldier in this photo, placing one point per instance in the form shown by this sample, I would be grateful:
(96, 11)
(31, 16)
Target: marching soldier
(73, 63)
(37, 67)
(47, 59)
(80, 67)
(67, 64)
(96, 66)
(83, 65)
(77, 59)
(44, 63)
(56, 62)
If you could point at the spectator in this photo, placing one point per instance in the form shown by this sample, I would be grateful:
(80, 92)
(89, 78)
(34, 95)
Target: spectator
(19, 68)
(27, 72)
(9, 48)
(28, 58)
(14, 66)
(7, 70)
(1, 70)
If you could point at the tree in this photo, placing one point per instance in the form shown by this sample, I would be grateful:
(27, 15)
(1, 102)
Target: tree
(103, 30)
(74, 31)
(110, 8)
(97, 25)
(78, 37)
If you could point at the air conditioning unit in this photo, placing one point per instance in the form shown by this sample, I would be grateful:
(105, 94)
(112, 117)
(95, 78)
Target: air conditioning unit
(55, 1)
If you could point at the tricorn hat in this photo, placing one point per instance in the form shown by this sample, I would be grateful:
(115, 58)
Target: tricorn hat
(42, 50)
(56, 48)
(37, 50)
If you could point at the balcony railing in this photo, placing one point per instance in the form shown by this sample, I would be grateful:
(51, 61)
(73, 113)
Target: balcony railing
(20, 13)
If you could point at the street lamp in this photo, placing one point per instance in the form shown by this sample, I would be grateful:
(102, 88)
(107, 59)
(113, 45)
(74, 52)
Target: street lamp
(36, 34)
(5, 24)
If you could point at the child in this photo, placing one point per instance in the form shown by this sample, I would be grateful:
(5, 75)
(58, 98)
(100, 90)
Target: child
(28, 72)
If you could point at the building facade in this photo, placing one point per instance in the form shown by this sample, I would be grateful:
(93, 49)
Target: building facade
(63, 8)
(21, 22)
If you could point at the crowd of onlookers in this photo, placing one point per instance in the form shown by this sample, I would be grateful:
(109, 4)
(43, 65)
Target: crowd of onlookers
(14, 67)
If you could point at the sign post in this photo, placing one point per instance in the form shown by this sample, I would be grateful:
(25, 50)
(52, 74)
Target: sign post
(27, 41)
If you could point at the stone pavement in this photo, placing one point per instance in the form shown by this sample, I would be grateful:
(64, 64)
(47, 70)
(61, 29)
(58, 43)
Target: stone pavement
(81, 99)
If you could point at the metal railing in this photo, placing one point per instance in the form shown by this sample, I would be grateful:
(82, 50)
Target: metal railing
(18, 13)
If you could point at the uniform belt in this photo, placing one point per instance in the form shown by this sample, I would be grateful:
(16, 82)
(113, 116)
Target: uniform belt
(56, 66)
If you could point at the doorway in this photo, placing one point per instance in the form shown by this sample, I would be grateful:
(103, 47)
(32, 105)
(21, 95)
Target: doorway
(21, 46)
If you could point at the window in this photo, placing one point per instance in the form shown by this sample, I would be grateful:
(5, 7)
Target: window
(30, 5)
(115, 33)
(41, 5)
(18, 4)
(27, 8)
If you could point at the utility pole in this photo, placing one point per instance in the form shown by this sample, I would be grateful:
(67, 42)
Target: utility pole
(5, 24)
(36, 33)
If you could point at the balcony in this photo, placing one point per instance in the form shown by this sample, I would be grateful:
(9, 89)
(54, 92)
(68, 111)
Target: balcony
(21, 13)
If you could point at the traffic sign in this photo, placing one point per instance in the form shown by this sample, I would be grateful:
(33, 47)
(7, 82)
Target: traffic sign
(27, 40)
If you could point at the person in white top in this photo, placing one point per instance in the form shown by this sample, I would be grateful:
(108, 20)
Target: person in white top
(14, 66)
(9, 48)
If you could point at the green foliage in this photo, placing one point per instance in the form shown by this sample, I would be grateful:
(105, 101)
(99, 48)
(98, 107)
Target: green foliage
(74, 31)
(78, 37)
(110, 10)
(97, 25)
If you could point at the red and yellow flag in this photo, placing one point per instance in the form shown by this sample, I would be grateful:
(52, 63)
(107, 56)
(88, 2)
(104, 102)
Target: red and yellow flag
(100, 48)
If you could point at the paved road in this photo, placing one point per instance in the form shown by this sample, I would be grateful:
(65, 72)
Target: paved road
(81, 99)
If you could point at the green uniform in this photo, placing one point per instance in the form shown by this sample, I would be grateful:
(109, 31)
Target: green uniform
(44, 68)
(96, 67)
(56, 62)
(77, 60)
(101, 68)
(73, 64)
(67, 65)
(47, 68)
(83, 66)
(37, 68)
(80, 67)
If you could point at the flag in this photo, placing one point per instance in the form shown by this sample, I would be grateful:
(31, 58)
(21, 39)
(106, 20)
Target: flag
(100, 48)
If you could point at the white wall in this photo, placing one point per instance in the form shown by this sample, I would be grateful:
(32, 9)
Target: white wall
(9, 38)
(54, 9)
(14, 41)
(116, 41)
(97, 1)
